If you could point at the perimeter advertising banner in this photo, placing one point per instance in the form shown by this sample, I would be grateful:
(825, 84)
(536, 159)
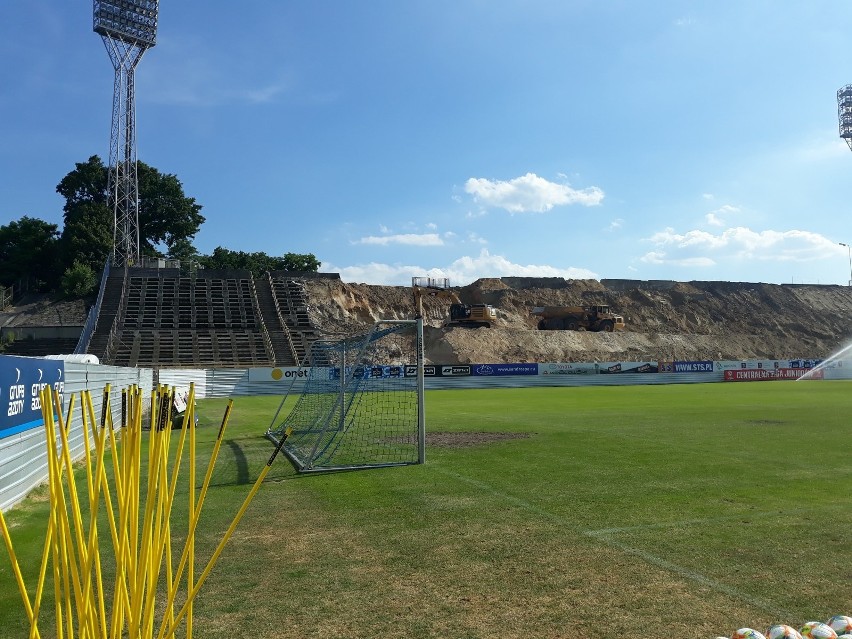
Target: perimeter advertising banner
(21, 379)
(678, 366)
(628, 367)
(280, 374)
(439, 370)
(767, 374)
(567, 369)
(369, 372)
(488, 370)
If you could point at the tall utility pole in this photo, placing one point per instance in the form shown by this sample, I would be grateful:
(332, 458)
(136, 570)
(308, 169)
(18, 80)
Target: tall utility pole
(128, 29)
(848, 250)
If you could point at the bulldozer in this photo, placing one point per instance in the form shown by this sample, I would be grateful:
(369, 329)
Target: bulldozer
(597, 318)
(460, 314)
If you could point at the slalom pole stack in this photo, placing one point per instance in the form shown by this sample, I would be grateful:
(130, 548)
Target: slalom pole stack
(136, 497)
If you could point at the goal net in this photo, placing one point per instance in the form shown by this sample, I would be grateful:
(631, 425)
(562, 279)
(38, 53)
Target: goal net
(362, 403)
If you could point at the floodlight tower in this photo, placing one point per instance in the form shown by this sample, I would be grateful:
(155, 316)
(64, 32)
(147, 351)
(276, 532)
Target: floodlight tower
(128, 29)
(844, 113)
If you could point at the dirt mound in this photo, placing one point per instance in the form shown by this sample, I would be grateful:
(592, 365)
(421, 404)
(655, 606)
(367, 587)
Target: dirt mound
(665, 320)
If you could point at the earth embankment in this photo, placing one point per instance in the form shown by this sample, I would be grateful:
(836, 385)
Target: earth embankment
(665, 319)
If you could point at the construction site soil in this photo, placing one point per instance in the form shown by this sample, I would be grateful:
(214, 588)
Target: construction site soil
(665, 320)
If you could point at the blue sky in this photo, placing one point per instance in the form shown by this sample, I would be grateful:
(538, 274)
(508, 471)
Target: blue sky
(464, 138)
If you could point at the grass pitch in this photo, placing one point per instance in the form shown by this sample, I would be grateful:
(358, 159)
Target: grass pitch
(650, 511)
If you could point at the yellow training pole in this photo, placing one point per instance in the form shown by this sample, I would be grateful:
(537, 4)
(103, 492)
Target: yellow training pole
(54, 474)
(94, 548)
(196, 514)
(190, 574)
(227, 536)
(70, 560)
(16, 569)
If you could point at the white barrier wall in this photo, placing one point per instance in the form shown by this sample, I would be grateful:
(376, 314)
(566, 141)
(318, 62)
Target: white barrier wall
(23, 455)
(282, 381)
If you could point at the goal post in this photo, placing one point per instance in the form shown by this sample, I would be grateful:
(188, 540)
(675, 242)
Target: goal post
(362, 404)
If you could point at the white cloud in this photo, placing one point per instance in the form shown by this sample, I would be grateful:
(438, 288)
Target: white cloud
(715, 218)
(699, 248)
(408, 239)
(615, 224)
(707, 196)
(462, 271)
(529, 194)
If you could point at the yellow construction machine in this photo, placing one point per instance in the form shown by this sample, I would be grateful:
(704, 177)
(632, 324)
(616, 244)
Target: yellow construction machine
(464, 315)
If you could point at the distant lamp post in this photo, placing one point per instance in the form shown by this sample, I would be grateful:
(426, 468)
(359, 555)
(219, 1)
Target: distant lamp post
(848, 250)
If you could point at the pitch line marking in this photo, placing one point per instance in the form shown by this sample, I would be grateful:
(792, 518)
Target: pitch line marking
(602, 536)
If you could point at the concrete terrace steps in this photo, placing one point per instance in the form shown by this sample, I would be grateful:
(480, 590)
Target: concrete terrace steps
(166, 318)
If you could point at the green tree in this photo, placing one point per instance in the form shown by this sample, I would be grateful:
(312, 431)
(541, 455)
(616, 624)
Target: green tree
(29, 252)
(79, 280)
(168, 220)
(259, 262)
(300, 262)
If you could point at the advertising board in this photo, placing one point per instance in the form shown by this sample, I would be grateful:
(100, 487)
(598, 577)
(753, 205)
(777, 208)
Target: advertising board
(21, 379)
(486, 370)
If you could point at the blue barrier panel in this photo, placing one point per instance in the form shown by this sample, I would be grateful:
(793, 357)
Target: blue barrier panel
(21, 379)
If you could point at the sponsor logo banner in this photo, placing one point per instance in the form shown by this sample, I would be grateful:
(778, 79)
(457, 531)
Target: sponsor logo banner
(436, 370)
(748, 375)
(796, 373)
(370, 372)
(281, 374)
(804, 363)
(566, 369)
(692, 367)
(629, 367)
(454, 371)
(21, 379)
(505, 369)
(764, 374)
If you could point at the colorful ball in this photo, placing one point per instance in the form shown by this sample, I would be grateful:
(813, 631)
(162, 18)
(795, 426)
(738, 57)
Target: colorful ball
(747, 633)
(841, 624)
(783, 631)
(817, 630)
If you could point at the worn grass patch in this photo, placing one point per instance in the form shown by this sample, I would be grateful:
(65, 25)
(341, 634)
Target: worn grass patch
(650, 511)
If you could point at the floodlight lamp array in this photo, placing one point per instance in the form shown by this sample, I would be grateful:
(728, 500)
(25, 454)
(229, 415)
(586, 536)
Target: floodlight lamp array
(844, 111)
(131, 21)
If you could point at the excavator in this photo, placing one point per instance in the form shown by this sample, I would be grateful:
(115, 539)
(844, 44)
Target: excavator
(464, 315)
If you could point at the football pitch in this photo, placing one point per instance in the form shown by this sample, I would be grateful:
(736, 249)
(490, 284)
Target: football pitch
(649, 511)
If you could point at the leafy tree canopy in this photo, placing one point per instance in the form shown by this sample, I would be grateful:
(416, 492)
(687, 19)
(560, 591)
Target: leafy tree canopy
(259, 262)
(29, 253)
(167, 218)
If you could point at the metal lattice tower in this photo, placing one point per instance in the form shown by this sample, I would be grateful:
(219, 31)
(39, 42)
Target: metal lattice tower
(844, 113)
(128, 29)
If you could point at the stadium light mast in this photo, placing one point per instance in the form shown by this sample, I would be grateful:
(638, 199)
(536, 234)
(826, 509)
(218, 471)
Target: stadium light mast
(844, 113)
(128, 29)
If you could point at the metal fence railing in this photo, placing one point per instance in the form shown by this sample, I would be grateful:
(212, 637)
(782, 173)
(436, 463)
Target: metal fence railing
(94, 314)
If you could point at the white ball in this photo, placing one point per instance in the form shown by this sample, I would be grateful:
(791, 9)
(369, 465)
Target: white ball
(817, 630)
(783, 631)
(841, 624)
(747, 633)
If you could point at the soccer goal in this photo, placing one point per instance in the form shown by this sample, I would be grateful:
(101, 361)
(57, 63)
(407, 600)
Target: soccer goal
(362, 404)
